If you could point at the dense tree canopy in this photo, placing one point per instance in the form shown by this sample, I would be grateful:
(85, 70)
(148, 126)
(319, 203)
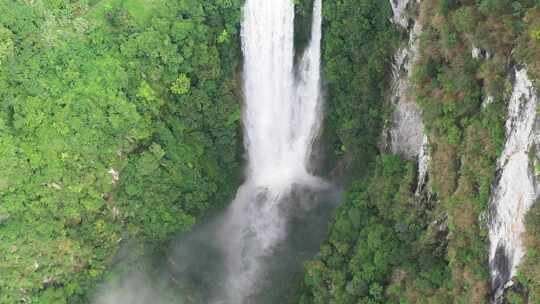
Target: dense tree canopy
(438, 253)
(117, 119)
(359, 42)
(379, 240)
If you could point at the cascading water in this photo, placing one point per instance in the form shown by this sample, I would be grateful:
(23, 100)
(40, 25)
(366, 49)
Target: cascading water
(516, 189)
(251, 253)
(281, 118)
(281, 115)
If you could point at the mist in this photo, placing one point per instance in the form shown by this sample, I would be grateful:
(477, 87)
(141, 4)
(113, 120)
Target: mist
(194, 270)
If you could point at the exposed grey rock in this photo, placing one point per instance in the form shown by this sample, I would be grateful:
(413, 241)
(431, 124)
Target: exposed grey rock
(423, 166)
(516, 188)
(400, 9)
(406, 131)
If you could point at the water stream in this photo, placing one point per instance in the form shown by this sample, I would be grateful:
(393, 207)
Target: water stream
(282, 116)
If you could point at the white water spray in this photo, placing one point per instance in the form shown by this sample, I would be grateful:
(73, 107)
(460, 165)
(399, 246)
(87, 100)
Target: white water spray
(281, 118)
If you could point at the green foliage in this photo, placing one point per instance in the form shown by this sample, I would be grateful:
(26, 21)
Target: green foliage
(528, 44)
(181, 85)
(464, 20)
(527, 287)
(118, 120)
(359, 42)
(7, 45)
(535, 34)
(378, 243)
(302, 24)
(466, 136)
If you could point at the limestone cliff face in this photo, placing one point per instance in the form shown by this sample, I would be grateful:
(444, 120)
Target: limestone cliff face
(516, 188)
(407, 130)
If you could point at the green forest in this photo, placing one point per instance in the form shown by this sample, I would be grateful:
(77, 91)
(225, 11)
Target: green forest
(121, 121)
(118, 120)
(386, 245)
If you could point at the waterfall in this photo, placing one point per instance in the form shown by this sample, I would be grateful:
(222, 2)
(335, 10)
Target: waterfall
(516, 188)
(282, 116)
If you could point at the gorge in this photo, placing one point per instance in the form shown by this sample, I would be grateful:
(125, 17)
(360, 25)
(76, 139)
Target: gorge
(263, 152)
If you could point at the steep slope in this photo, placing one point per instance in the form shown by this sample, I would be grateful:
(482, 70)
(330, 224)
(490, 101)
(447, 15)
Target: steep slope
(516, 189)
(462, 79)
